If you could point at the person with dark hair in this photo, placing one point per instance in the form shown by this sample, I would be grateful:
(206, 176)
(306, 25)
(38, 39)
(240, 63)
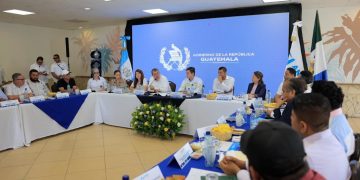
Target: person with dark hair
(308, 77)
(42, 69)
(66, 84)
(158, 82)
(140, 82)
(223, 84)
(291, 88)
(289, 73)
(339, 125)
(118, 84)
(274, 151)
(324, 153)
(37, 86)
(257, 88)
(192, 83)
(18, 89)
(57, 68)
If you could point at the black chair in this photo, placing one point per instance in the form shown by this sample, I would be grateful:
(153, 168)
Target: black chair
(355, 170)
(172, 86)
(356, 155)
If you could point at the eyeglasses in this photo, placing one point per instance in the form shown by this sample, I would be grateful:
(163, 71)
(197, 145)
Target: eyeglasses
(20, 79)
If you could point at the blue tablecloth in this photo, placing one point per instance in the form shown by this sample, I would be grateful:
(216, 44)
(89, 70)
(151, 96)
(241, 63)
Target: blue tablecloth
(63, 111)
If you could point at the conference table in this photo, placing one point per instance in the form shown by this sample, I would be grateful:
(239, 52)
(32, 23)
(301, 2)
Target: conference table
(22, 124)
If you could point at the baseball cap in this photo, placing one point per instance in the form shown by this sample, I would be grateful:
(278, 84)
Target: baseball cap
(273, 149)
(65, 72)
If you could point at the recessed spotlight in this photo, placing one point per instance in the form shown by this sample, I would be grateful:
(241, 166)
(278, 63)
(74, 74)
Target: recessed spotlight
(271, 1)
(107, 0)
(87, 8)
(80, 27)
(155, 11)
(18, 12)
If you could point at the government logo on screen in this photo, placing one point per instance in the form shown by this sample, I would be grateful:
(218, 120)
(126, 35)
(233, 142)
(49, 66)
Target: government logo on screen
(173, 59)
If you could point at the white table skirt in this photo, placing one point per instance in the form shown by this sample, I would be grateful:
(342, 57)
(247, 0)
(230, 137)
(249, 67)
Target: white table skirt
(11, 131)
(38, 125)
(116, 109)
(203, 112)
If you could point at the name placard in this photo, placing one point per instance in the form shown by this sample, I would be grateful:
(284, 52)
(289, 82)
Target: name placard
(9, 103)
(139, 92)
(181, 157)
(200, 132)
(85, 91)
(117, 91)
(221, 120)
(62, 95)
(152, 174)
(35, 99)
(224, 97)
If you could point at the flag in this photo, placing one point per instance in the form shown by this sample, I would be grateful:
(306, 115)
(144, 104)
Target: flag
(317, 52)
(295, 59)
(125, 65)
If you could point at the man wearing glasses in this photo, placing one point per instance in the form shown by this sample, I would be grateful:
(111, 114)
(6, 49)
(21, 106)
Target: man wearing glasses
(18, 89)
(57, 67)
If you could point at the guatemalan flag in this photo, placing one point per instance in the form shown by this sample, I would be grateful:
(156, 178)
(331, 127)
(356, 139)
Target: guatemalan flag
(125, 65)
(317, 52)
(295, 60)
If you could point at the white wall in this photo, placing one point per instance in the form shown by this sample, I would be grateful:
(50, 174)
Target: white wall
(20, 45)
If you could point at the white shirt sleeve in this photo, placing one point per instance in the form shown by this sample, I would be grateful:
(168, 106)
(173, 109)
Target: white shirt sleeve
(88, 84)
(53, 68)
(182, 87)
(279, 91)
(243, 175)
(199, 87)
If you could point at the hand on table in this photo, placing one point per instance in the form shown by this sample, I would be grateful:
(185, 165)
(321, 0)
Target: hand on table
(231, 165)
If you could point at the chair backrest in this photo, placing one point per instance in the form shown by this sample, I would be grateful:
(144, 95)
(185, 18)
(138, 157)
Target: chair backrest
(172, 86)
(355, 170)
(129, 82)
(356, 155)
(54, 87)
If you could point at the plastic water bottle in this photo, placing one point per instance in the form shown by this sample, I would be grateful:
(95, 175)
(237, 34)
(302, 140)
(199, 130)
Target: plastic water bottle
(68, 88)
(207, 138)
(268, 96)
(239, 118)
(209, 150)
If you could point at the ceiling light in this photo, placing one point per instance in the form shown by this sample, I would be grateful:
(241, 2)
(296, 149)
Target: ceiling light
(80, 27)
(155, 11)
(107, 0)
(87, 8)
(271, 1)
(18, 12)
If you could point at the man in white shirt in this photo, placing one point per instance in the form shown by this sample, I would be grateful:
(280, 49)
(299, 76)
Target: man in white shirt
(42, 69)
(18, 89)
(191, 84)
(310, 117)
(57, 67)
(37, 86)
(223, 84)
(158, 82)
(270, 155)
(289, 73)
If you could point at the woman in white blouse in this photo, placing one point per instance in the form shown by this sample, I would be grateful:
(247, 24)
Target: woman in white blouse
(97, 83)
(140, 82)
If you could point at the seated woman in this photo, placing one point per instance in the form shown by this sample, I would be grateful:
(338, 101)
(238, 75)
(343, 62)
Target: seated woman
(140, 82)
(291, 88)
(97, 83)
(118, 84)
(257, 88)
(66, 84)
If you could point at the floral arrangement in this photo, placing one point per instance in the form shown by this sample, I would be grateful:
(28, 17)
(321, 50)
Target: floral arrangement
(157, 119)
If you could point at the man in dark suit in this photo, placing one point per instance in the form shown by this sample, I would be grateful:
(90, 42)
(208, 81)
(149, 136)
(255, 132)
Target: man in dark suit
(257, 88)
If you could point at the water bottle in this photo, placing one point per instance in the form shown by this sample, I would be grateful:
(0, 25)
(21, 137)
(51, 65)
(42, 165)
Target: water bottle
(68, 88)
(239, 119)
(125, 177)
(209, 150)
(268, 96)
(207, 138)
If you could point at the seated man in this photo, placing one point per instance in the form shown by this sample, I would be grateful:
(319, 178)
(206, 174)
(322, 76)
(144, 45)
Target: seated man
(339, 125)
(66, 84)
(308, 77)
(324, 153)
(289, 73)
(270, 155)
(158, 82)
(38, 87)
(3, 97)
(223, 84)
(191, 84)
(18, 89)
